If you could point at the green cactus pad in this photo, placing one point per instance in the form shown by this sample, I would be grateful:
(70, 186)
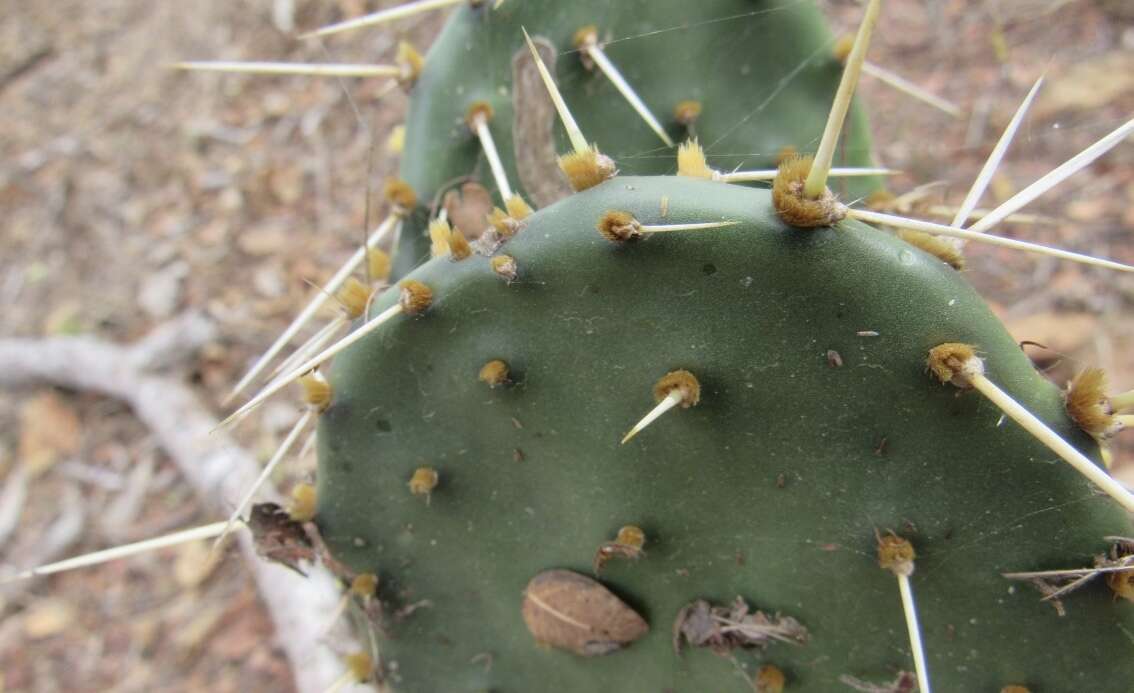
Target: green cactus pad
(765, 78)
(771, 488)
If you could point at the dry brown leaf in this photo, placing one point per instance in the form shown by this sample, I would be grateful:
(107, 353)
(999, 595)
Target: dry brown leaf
(268, 239)
(48, 618)
(1088, 207)
(49, 430)
(279, 538)
(575, 613)
(286, 184)
(194, 564)
(468, 208)
(1088, 86)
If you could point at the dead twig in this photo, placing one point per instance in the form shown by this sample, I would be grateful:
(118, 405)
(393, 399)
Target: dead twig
(215, 465)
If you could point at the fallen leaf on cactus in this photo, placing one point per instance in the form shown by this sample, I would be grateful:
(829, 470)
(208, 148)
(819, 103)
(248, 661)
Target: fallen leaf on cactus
(575, 613)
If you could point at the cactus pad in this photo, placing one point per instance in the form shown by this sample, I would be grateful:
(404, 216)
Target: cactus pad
(817, 425)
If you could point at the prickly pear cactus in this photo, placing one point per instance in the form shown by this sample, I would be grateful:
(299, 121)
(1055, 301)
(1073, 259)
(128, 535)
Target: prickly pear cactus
(676, 58)
(817, 424)
(804, 452)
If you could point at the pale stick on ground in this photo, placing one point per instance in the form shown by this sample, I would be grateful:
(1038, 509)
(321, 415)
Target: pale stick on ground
(340, 609)
(214, 465)
(971, 235)
(1057, 176)
(986, 172)
(816, 181)
(389, 224)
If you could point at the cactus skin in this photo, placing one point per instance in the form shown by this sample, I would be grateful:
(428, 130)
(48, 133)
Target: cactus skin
(782, 48)
(752, 310)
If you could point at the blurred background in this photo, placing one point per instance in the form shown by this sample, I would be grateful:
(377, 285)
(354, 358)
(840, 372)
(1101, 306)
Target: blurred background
(131, 193)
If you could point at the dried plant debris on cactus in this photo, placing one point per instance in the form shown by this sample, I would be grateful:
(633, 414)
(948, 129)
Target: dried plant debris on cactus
(1117, 565)
(904, 682)
(279, 538)
(726, 628)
